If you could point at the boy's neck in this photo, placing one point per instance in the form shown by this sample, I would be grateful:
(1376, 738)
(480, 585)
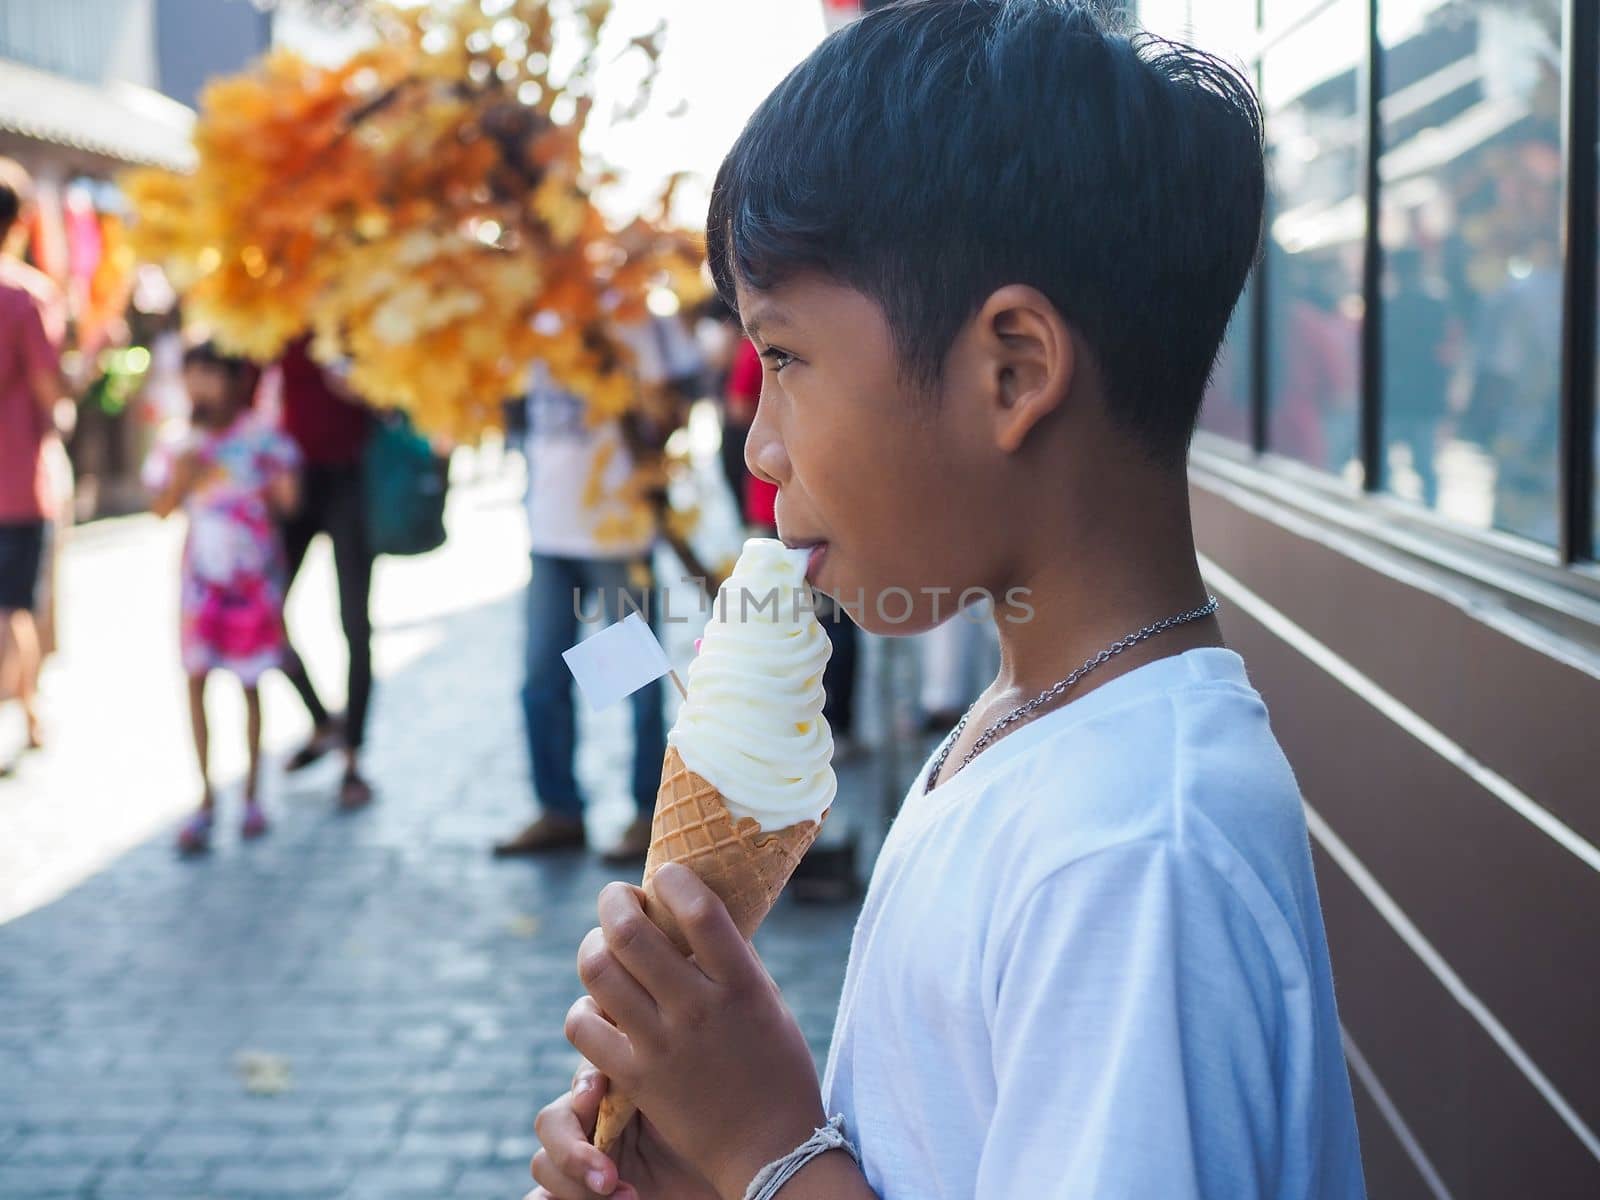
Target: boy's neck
(1130, 566)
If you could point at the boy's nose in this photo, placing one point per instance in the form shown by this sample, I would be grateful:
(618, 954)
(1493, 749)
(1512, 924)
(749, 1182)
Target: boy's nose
(764, 452)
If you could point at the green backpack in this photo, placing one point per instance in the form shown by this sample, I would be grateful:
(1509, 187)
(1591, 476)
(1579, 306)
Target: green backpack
(404, 483)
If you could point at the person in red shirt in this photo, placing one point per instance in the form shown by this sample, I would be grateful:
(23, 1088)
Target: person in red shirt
(331, 428)
(31, 330)
(757, 496)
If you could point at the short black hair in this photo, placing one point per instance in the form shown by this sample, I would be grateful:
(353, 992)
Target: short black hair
(209, 354)
(16, 192)
(242, 374)
(935, 150)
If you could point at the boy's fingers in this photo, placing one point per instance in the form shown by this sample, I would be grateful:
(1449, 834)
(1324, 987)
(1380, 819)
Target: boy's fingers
(564, 1141)
(719, 948)
(598, 1040)
(643, 949)
(588, 1078)
(555, 1183)
(588, 1089)
(610, 983)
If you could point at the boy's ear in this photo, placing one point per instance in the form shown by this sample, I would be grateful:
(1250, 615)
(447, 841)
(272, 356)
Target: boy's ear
(1030, 361)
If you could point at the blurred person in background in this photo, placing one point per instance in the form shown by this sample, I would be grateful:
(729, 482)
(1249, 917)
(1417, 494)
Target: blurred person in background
(331, 428)
(1417, 365)
(1314, 365)
(61, 478)
(513, 428)
(757, 497)
(717, 333)
(32, 328)
(1514, 406)
(234, 477)
(592, 531)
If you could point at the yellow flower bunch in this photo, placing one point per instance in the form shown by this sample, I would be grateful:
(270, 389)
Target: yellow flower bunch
(425, 210)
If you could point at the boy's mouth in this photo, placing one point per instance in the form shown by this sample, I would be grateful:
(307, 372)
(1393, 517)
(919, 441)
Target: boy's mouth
(818, 551)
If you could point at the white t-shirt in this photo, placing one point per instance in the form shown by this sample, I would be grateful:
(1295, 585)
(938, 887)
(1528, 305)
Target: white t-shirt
(1092, 965)
(579, 504)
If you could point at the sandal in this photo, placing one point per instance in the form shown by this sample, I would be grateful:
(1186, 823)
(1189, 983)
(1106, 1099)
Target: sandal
(329, 737)
(354, 793)
(255, 821)
(195, 836)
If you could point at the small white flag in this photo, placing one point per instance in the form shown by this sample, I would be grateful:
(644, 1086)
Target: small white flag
(617, 661)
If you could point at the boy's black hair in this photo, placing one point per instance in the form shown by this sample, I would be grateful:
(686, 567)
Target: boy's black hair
(935, 150)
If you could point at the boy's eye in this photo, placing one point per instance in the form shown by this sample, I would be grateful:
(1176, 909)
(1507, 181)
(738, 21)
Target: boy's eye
(779, 359)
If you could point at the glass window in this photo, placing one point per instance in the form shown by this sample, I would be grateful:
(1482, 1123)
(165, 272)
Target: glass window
(1226, 28)
(1470, 203)
(1316, 223)
(1279, 13)
(1223, 27)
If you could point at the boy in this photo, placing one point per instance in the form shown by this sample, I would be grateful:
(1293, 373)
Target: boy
(988, 249)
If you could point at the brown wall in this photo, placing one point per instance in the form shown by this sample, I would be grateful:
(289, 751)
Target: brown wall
(1427, 859)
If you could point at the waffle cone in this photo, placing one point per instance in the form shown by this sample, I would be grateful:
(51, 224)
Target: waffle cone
(744, 866)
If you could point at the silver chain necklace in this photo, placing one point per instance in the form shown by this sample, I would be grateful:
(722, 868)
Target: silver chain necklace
(1022, 712)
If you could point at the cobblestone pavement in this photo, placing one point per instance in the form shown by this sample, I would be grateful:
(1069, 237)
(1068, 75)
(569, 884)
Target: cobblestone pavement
(358, 1006)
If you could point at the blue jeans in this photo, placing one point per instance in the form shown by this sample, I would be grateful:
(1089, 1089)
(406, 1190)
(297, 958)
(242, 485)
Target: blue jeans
(554, 594)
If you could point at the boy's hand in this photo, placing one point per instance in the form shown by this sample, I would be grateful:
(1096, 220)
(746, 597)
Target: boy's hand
(705, 1046)
(569, 1168)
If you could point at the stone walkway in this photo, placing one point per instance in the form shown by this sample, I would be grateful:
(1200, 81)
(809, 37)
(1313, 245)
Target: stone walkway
(359, 1006)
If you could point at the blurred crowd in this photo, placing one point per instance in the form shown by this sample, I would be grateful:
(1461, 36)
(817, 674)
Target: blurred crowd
(262, 460)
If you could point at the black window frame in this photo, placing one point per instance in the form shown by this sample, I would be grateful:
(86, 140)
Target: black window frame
(1564, 578)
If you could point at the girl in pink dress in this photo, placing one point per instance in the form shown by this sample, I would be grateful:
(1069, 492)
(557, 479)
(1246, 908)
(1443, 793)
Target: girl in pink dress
(232, 475)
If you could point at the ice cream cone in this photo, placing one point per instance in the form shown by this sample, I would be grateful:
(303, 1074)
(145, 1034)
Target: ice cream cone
(743, 865)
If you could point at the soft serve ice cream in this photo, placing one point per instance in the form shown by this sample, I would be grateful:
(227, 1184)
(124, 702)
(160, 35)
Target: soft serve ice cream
(750, 742)
(752, 725)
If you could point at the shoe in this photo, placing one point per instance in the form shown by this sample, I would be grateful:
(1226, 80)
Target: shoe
(354, 793)
(195, 836)
(632, 846)
(550, 832)
(255, 821)
(329, 737)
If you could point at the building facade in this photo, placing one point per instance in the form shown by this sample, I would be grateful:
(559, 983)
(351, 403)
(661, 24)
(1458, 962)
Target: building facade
(89, 88)
(1395, 498)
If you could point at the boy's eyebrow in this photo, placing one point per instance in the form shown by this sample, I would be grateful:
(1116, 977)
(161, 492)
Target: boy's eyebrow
(764, 315)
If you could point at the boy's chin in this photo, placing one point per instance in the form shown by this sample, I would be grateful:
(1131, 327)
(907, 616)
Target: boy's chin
(892, 617)
(896, 629)
(919, 622)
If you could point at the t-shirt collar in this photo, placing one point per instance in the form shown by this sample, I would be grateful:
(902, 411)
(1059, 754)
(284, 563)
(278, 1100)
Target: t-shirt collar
(1203, 663)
